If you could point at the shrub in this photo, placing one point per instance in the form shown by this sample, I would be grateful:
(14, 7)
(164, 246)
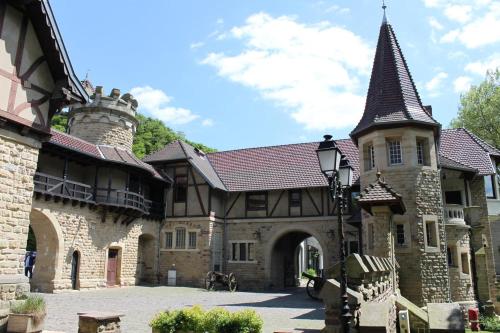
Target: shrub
(217, 320)
(490, 323)
(311, 271)
(33, 305)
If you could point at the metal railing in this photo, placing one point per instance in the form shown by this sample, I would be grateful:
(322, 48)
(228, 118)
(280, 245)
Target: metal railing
(47, 184)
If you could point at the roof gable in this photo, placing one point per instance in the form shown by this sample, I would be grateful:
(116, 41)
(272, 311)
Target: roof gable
(380, 193)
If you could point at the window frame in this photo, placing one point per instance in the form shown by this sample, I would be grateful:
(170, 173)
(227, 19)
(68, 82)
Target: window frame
(173, 232)
(166, 246)
(389, 145)
(465, 269)
(369, 156)
(183, 239)
(493, 181)
(397, 234)
(430, 224)
(190, 244)
(291, 200)
(236, 254)
(248, 199)
(177, 187)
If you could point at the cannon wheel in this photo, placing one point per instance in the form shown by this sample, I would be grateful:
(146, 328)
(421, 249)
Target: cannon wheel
(210, 281)
(312, 291)
(231, 282)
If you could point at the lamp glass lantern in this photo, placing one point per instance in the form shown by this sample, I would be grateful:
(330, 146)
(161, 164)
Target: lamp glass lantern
(329, 156)
(345, 173)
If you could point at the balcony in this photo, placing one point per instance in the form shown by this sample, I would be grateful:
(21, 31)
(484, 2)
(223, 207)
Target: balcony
(60, 188)
(120, 201)
(454, 214)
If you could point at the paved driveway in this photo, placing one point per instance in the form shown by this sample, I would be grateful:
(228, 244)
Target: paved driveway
(280, 311)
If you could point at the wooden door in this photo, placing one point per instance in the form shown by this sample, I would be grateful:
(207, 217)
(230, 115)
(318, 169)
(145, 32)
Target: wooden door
(74, 270)
(112, 267)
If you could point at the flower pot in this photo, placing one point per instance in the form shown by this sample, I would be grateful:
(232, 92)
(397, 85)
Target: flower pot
(23, 323)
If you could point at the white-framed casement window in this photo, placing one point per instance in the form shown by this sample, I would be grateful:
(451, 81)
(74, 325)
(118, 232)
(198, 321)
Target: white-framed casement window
(394, 151)
(431, 233)
(242, 252)
(369, 156)
(180, 239)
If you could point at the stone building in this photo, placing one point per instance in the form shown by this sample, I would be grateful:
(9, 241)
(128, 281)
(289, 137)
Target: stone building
(101, 217)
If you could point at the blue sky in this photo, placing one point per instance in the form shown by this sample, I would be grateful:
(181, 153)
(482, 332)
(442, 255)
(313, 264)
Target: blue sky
(235, 74)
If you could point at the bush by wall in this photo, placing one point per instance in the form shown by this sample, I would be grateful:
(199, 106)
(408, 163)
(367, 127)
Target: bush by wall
(196, 320)
(490, 323)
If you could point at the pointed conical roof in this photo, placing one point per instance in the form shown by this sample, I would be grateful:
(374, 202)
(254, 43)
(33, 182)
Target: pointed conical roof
(392, 96)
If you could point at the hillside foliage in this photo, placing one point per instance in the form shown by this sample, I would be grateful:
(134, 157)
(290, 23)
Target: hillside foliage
(151, 135)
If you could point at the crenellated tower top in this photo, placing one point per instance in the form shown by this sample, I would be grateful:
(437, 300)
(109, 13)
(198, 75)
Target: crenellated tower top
(106, 119)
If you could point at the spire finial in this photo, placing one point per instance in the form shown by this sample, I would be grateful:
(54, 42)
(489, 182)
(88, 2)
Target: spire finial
(384, 20)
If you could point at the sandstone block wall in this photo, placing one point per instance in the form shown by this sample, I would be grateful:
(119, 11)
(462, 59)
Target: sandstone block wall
(82, 230)
(104, 132)
(461, 287)
(17, 167)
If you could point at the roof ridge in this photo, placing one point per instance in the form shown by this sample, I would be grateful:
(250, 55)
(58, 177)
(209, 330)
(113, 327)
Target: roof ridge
(272, 146)
(162, 149)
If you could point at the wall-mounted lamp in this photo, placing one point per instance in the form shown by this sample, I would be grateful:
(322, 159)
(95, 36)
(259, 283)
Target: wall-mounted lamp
(331, 234)
(257, 235)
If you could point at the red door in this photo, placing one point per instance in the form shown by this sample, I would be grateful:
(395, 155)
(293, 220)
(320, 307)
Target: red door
(112, 267)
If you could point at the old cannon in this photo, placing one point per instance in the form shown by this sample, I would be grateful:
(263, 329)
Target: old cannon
(228, 280)
(314, 285)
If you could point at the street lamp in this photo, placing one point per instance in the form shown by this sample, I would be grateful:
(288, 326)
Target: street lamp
(339, 175)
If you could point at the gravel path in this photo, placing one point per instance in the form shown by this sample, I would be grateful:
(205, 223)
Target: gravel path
(288, 311)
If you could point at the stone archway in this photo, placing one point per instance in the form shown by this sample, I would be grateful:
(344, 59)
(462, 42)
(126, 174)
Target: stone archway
(146, 258)
(283, 267)
(49, 247)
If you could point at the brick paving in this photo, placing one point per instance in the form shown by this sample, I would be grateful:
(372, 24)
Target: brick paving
(285, 311)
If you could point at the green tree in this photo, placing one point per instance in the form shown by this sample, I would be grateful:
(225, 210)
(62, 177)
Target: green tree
(151, 135)
(479, 109)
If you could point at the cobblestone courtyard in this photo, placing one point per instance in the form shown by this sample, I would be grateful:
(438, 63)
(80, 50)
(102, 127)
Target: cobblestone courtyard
(280, 311)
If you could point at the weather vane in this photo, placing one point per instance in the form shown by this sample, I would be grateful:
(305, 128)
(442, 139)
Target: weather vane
(384, 7)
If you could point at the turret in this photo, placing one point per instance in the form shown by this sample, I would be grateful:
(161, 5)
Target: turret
(106, 120)
(397, 135)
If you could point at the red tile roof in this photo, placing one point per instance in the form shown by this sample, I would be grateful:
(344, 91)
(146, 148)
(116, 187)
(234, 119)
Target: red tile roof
(102, 152)
(276, 167)
(463, 147)
(392, 95)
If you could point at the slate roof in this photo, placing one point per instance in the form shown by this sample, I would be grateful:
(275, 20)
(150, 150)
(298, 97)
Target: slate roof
(392, 96)
(179, 150)
(448, 163)
(465, 148)
(101, 152)
(380, 193)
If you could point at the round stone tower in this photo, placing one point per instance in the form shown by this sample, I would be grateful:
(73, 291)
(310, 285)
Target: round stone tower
(106, 120)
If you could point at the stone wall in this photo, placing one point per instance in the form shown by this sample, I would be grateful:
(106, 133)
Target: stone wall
(104, 132)
(80, 229)
(461, 287)
(17, 168)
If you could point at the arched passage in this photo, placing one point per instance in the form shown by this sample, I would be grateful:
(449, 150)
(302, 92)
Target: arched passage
(146, 254)
(292, 253)
(49, 244)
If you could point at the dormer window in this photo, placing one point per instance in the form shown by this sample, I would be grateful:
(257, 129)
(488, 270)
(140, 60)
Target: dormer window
(394, 151)
(369, 156)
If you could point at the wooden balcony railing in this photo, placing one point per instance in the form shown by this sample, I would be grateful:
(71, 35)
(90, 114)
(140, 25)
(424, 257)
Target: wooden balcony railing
(60, 187)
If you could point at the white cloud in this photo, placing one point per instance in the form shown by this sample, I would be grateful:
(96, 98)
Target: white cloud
(311, 70)
(462, 84)
(480, 67)
(479, 21)
(434, 85)
(207, 122)
(337, 9)
(155, 102)
(196, 45)
(434, 23)
(459, 13)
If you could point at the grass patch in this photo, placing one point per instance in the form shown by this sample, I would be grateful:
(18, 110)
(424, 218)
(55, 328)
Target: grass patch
(32, 305)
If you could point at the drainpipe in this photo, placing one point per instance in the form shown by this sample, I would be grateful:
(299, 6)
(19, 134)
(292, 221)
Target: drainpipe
(224, 234)
(393, 254)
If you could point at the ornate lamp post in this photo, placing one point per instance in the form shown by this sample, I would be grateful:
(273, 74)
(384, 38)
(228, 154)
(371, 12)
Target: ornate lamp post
(339, 175)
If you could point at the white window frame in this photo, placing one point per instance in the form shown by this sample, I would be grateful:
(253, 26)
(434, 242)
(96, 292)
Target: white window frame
(369, 156)
(405, 238)
(186, 247)
(389, 142)
(426, 220)
(236, 255)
